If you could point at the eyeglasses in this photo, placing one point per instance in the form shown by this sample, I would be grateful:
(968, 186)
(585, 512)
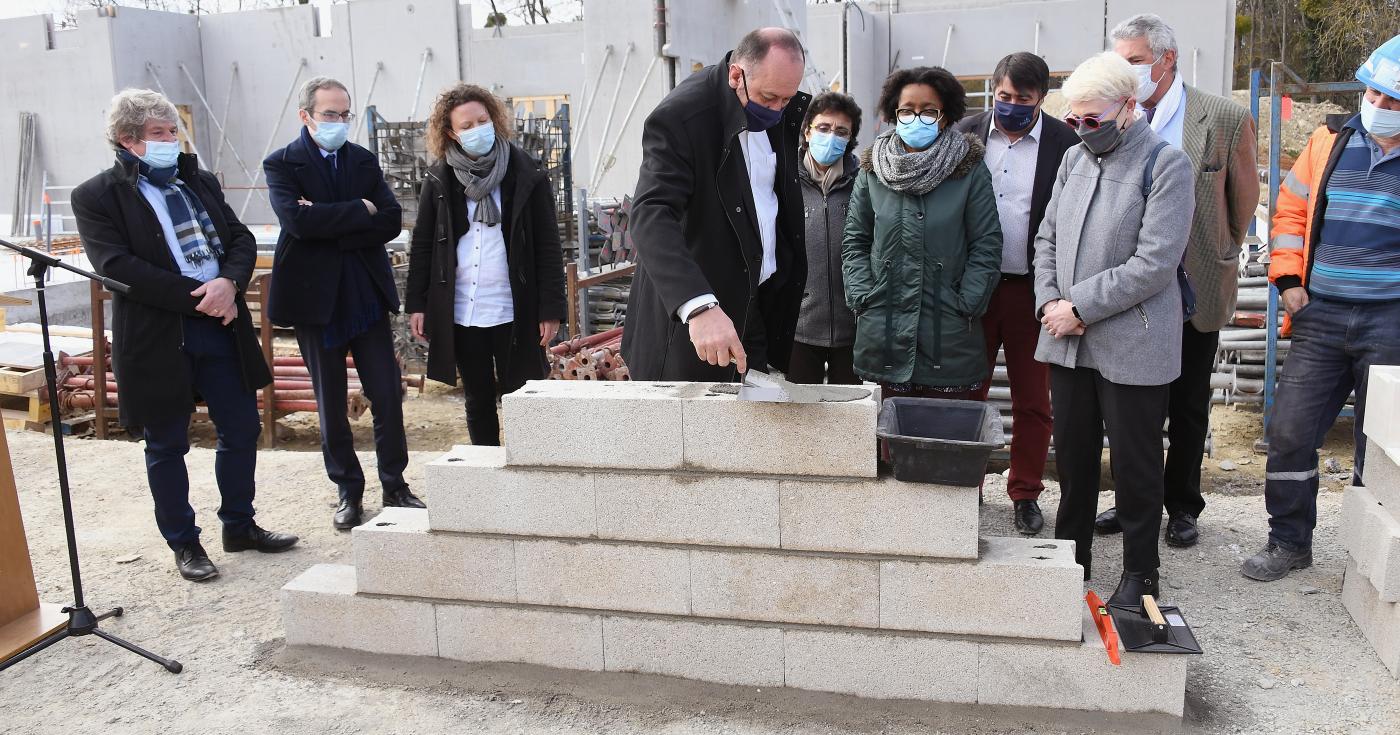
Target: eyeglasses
(839, 132)
(333, 116)
(930, 116)
(1092, 122)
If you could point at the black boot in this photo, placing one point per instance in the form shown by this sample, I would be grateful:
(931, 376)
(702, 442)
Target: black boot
(1029, 519)
(348, 514)
(1133, 585)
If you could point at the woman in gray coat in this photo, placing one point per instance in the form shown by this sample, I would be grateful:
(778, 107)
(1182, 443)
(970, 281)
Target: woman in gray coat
(1106, 258)
(826, 328)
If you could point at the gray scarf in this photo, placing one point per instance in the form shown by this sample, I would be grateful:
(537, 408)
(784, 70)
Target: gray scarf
(917, 172)
(481, 177)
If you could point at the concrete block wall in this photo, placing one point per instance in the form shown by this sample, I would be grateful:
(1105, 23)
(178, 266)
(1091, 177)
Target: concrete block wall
(772, 563)
(1370, 527)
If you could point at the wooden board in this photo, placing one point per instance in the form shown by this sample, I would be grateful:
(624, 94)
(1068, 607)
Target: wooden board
(18, 597)
(29, 629)
(15, 380)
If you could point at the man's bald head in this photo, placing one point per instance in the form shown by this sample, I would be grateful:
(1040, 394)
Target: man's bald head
(767, 67)
(755, 46)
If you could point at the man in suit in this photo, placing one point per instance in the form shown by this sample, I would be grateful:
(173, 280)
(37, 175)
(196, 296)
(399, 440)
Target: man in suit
(331, 280)
(1218, 135)
(159, 224)
(717, 219)
(1024, 149)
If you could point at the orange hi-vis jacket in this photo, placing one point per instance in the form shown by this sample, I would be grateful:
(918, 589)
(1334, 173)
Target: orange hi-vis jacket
(1302, 201)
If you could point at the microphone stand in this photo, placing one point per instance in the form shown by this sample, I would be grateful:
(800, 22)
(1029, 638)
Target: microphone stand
(81, 620)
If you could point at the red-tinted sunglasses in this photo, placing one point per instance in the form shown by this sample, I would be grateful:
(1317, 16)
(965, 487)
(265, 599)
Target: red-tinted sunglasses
(1092, 122)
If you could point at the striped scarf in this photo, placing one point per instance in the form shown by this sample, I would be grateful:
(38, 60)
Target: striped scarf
(199, 241)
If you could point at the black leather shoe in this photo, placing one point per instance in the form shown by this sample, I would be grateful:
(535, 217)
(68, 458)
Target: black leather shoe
(1182, 531)
(348, 515)
(1029, 519)
(1133, 585)
(402, 499)
(255, 538)
(194, 563)
(1107, 522)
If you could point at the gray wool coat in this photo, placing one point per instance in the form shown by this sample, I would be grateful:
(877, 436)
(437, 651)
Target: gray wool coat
(825, 320)
(1114, 254)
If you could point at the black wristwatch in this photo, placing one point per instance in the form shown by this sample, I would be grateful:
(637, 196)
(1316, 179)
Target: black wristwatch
(1075, 310)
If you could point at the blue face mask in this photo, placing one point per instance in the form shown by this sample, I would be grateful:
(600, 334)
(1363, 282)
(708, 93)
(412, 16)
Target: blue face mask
(330, 135)
(161, 154)
(479, 140)
(826, 148)
(1014, 118)
(1379, 123)
(760, 118)
(917, 134)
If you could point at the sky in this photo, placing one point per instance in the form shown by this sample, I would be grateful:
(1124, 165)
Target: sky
(19, 8)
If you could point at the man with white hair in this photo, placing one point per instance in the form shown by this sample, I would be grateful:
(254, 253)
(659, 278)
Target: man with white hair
(1218, 135)
(159, 224)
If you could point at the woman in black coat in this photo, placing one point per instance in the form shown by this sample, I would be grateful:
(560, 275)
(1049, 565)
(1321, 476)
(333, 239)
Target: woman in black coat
(485, 273)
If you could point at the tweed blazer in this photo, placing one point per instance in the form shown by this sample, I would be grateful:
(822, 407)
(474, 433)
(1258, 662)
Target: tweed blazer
(1218, 136)
(1113, 253)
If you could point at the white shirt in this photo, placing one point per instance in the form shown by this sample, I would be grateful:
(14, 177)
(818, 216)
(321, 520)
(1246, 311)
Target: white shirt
(1012, 165)
(203, 271)
(762, 165)
(1170, 114)
(483, 274)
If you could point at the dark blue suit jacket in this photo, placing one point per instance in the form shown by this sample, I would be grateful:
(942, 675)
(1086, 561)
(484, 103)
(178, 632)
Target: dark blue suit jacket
(318, 240)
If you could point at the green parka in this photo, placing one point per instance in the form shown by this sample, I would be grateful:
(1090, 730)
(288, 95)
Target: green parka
(920, 272)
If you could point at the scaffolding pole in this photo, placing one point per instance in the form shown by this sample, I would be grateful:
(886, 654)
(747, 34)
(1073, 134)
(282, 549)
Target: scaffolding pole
(612, 110)
(228, 105)
(622, 129)
(272, 137)
(597, 84)
(369, 99)
(418, 88)
(212, 118)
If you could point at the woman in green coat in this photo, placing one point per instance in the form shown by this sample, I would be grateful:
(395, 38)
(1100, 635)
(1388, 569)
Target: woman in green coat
(921, 253)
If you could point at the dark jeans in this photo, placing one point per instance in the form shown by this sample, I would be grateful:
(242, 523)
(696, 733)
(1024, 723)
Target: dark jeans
(482, 355)
(218, 378)
(1188, 419)
(1334, 346)
(1085, 403)
(813, 365)
(378, 369)
(1010, 325)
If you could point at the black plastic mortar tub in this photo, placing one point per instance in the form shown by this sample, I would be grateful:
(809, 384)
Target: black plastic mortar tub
(939, 441)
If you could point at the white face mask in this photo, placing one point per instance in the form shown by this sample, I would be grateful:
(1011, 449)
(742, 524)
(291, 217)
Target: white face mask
(1147, 86)
(1379, 123)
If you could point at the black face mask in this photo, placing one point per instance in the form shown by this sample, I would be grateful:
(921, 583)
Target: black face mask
(760, 118)
(1102, 140)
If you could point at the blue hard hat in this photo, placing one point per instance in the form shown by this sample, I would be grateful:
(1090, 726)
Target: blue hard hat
(1382, 70)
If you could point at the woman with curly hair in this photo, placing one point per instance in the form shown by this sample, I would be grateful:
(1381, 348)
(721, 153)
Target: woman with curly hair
(485, 272)
(922, 247)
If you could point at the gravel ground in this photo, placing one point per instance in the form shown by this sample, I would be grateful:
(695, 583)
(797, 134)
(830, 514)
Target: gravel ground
(1279, 658)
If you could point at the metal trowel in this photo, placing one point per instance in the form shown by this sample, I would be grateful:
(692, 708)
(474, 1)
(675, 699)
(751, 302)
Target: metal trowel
(760, 386)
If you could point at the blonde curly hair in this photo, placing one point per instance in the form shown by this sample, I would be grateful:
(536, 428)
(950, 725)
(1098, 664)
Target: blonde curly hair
(440, 136)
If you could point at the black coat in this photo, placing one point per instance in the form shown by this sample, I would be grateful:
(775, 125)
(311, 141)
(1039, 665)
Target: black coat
(533, 255)
(316, 240)
(124, 241)
(1055, 138)
(694, 225)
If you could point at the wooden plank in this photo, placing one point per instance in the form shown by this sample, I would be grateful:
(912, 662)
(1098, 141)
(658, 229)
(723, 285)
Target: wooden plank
(16, 380)
(8, 300)
(18, 596)
(30, 628)
(604, 277)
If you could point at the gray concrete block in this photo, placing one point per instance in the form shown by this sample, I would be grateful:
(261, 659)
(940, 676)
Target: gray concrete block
(882, 516)
(724, 653)
(881, 666)
(686, 508)
(395, 554)
(1371, 535)
(1079, 676)
(1378, 620)
(724, 434)
(321, 608)
(544, 637)
(1021, 588)
(475, 492)
(603, 576)
(1382, 477)
(575, 423)
(785, 588)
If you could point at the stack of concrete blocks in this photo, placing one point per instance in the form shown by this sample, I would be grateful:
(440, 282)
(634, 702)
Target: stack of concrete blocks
(672, 529)
(1370, 526)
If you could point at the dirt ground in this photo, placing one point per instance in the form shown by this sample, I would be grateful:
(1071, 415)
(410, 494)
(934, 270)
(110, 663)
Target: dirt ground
(1279, 658)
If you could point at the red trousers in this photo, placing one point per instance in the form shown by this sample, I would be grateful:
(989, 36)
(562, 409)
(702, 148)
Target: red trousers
(1010, 324)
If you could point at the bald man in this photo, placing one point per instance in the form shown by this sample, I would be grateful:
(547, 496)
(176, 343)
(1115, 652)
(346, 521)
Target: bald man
(717, 219)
